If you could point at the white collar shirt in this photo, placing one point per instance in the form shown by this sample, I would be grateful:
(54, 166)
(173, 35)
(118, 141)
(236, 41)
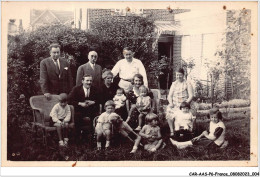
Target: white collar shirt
(86, 91)
(58, 62)
(92, 65)
(127, 70)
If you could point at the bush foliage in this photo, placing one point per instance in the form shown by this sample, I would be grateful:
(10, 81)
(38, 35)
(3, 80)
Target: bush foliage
(235, 103)
(117, 32)
(25, 51)
(108, 38)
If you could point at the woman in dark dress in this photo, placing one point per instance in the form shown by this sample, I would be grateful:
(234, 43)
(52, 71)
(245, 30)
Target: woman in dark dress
(108, 91)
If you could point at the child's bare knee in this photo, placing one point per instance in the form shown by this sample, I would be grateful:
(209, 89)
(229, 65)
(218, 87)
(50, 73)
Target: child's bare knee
(138, 138)
(99, 134)
(107, 132)
(57, 125)
(133, 106)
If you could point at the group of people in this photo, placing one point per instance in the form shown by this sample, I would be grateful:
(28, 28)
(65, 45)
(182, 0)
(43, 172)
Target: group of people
(95, 94)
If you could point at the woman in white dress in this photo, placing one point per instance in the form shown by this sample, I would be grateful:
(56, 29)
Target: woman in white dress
(181, 90)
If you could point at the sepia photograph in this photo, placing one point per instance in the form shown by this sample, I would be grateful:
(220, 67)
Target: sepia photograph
(129, 84)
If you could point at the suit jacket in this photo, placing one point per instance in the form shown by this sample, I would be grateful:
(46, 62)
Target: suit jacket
(78, 95)
(87, 69)
(107, 93)
(50, 80)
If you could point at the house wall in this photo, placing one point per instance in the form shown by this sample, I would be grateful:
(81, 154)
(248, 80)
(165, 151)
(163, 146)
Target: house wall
(177, 49)
(201, 35)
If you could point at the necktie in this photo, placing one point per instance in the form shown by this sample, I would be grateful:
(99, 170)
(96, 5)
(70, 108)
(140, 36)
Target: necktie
(57, 67)
(94, 69)
(87, 94)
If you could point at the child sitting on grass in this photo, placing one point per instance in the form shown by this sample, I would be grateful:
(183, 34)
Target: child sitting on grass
(150, 135)
(121, 126)
(215, 135)
(60, 117)
(103, 127)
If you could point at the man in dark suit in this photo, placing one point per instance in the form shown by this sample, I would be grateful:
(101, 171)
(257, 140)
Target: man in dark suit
(92, 69)
(55, 74)
(86, 101)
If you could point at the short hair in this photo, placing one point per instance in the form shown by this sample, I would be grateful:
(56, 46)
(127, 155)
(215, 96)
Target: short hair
(180, 70)
(127, 48)
(106, 72)
(143, 87)
(87, 75)
(120, 89)
(63, 97)
(54, 45)
(184, 105)
(92, 53)
(215, 111)
(150, 117)
(138, 76)
(110, 103)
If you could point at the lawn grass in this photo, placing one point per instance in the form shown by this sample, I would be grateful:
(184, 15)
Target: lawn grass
(22, 147)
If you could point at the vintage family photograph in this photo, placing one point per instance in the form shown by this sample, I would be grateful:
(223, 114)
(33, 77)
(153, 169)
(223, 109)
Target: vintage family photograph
(158, 83)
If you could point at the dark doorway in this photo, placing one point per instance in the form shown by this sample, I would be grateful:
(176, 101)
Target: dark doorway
(165, 48)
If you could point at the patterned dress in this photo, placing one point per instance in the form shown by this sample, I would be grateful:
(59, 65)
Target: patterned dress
(180, 94)
(149, 130)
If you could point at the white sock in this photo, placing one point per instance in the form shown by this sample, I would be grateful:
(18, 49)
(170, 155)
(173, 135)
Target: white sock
(182, 145)
(107, 143)
(135, 147)
(98, 144)
(173, 142)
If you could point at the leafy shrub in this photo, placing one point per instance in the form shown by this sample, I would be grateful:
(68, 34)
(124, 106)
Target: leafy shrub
(205, 106)
(236, 103)
(25, 51)
(118, 32)
(108, 38)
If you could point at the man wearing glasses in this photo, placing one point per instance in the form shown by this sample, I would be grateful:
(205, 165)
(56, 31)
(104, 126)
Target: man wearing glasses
(90, 68)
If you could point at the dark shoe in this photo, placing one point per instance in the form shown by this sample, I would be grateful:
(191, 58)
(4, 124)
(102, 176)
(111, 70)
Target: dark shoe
(108, 148)
(98, 150)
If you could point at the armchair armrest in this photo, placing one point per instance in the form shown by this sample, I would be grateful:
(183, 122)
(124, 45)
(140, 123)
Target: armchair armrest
(127, 106)
(158, 104)
(41, 115)
(100, 109)
(38, 109)
(95, 121)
